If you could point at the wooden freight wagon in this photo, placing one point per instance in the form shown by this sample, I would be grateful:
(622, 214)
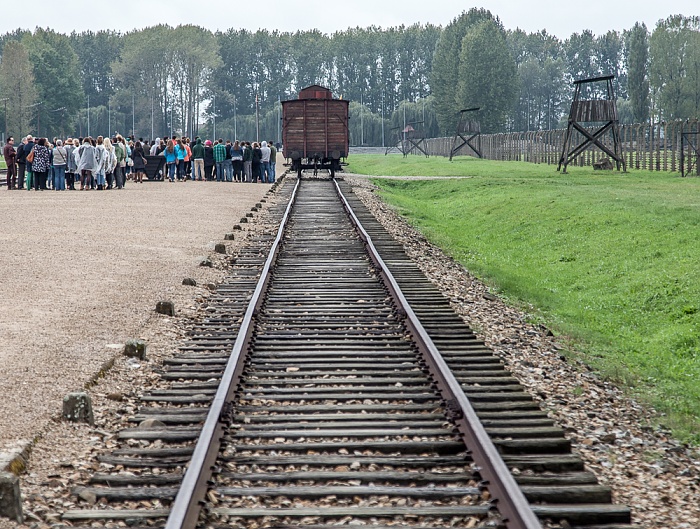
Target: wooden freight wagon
(315, 131)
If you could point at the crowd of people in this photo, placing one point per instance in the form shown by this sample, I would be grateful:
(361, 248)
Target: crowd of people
(108, 163)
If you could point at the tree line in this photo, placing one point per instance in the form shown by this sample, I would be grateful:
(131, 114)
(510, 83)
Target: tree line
(189, 80)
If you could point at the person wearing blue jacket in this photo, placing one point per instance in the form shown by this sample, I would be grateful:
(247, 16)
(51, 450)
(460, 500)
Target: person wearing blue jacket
(170, 160)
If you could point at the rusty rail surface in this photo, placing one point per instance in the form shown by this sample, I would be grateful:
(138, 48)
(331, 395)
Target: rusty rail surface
(511, 501)
(185, 509)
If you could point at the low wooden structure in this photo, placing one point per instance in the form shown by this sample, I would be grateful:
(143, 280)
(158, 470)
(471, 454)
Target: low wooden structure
(689, 142)
(468, 133)
(601, 111)
(409, 140)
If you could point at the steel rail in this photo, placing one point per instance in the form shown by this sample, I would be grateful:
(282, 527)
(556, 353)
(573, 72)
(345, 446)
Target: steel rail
(185, 509)
(506, 493)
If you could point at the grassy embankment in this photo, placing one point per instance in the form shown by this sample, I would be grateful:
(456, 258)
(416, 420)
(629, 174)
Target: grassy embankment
(610, 261)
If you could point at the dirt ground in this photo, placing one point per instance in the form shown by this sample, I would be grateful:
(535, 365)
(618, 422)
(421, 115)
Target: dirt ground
(81, 272)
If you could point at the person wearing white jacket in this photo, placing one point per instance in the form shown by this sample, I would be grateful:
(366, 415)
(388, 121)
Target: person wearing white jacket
(110, 162)
(87, 164)
(101, 156)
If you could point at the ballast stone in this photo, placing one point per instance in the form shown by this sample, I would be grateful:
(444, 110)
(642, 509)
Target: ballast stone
(135, 349)
(77, 407)
(10, 497)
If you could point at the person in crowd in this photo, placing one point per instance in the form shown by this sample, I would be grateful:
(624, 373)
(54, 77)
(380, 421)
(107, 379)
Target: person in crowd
(87, 164)
(170, 160)
(248, 162)
(28, 147)
(121, 154)
(129, 146)
(198, 157)
(256, 162)
(273, 161)
(10, 156)
(265, 163)
(41, 164)
(237, 161)
(154, 147)
(188, 158)
(219, 158)
(208, 160)
(181, 154)
(21, 159)
(60, 162)
(110, 162)
(228, 163)
(101, 169)
(71, 166)
(139, 158)
(51, 180)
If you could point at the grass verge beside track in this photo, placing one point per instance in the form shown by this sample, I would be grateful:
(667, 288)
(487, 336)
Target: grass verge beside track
(609, 260)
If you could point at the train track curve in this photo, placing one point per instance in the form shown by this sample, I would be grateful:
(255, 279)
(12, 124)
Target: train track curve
(331, 384)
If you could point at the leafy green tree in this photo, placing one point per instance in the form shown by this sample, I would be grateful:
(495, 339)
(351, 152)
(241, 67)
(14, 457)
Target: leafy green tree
(487, 75)
(580, 52)
(637, 62)
(96, 52)
(674, 71)
(57, 76)
(609, 60)
(143, 74)
(446, 70)
(541, 75)
(17, 84)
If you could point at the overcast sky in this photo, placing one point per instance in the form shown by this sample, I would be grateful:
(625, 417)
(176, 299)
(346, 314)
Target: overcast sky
(558, 17)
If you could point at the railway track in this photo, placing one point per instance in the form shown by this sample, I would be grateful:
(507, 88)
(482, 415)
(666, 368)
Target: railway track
(315, 376)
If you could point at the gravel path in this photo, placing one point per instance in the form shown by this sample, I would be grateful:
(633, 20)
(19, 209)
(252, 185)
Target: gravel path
(81, 274)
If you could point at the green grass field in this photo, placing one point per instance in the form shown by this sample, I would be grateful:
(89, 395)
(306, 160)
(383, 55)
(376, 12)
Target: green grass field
(611, 261)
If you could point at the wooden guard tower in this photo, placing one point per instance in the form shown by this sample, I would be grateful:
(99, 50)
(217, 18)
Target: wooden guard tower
(689, 141)
(593, 111)
(409, 140)
(468, 133)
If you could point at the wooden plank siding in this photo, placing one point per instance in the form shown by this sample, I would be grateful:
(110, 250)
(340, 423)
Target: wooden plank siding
(315, 127)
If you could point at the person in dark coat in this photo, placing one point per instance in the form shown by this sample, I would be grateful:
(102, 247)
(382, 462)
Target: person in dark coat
(257, 162)
(208, 160)
(10, 156)
(139, 159)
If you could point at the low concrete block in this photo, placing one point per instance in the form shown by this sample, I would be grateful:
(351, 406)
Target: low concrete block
(189, 282)
(77, 407)
(10, 497)
(244, 220)
(229, 237)
(220, 248)
(165, 307)
(206, 262)
(135, 349)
